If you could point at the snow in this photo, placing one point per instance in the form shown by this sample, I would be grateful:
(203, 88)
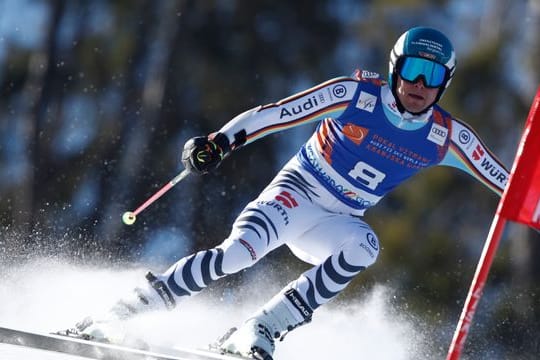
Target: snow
(45, 296)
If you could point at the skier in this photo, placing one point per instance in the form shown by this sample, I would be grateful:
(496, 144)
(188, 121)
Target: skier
(372, 136)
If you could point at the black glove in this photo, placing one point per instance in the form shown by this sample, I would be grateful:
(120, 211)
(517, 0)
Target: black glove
(203, 154)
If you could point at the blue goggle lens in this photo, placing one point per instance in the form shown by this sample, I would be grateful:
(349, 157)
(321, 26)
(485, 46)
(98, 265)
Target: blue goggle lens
(433, 74)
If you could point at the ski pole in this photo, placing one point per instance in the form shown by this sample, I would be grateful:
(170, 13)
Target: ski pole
(129, 217)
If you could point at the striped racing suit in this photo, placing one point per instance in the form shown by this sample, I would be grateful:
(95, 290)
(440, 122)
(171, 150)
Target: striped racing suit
(362, 148)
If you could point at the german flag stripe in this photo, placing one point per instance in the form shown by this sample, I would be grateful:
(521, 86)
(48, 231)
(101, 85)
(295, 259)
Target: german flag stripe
(326, 112)
(456, 152)
(306, 92)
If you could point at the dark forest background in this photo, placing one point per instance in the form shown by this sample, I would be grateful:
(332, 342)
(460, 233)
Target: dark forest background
(98, 97)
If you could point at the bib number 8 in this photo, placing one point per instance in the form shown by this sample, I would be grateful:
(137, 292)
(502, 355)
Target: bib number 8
(367, 175)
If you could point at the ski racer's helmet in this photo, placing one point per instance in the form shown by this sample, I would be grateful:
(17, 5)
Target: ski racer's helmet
(422, 52)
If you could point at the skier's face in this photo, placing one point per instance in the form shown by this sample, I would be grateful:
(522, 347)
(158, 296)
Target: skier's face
(415, 96)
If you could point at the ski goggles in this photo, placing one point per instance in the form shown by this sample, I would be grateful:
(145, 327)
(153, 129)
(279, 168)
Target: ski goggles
(433, 74)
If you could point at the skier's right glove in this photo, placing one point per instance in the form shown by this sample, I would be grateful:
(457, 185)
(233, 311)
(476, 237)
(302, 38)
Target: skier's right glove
(203, 154)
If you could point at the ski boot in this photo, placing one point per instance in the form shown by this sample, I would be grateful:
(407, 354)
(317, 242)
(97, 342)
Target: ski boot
(255, 338)
(252, 340)
(153, 295)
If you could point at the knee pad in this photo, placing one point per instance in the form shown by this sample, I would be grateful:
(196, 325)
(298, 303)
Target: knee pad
(363, 250)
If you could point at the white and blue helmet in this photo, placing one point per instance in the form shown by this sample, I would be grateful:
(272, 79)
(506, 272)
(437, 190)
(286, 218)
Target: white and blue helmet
(422, 52)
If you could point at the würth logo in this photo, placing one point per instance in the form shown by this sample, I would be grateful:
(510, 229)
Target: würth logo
(478, 153)
(286, 199)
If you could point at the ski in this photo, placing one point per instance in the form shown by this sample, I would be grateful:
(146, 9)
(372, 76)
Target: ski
(101, 351)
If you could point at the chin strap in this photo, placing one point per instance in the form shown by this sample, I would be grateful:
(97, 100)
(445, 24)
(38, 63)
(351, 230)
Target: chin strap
(417, 117)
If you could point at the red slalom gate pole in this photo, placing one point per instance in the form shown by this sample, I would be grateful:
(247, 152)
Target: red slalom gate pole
(520, 202)
(477, 287)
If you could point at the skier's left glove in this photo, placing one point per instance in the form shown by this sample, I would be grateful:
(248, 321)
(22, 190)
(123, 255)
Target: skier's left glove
(203, 154)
